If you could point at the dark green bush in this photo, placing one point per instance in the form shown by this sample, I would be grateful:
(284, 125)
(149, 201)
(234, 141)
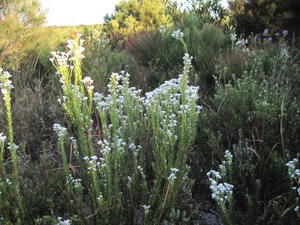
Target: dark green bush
(159, 51)
(101, 60)
(254, 114)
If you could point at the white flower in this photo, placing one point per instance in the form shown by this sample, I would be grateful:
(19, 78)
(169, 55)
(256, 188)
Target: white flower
(233, 37)
(94, 158)
(241, 42)
(177, 34)
(140, 169)
(100, 197)
(92, 162)
(214, 174)
(174, 170)
(5, 82)
(228, 157)
(60, 130)
(8, 181)
(221, 191)
(172, 177)
(284, 53)
(13, 146)
(291, 165)
(146, 208)
(88, 82)
(163, 29)
(63, 222)
(115, 77)
(2, 137)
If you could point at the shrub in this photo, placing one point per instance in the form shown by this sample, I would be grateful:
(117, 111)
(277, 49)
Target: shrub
(205, 44)
(251, 113)
(143, 143)
(101, 59)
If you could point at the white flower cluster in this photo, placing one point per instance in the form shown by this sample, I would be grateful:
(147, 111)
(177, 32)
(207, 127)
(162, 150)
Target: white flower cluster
(105, 146)
(134, 147)
(61, 221)
(97, 36)
(240, 43)
(177, 34)
(92, 162)
(221, 191)
(8, 181)
(226, 163)
(173, 100)
(60, 130)
(119, 144)
(75, 48)
(172, 176)
(284, 53)
(174, 86)
(292, 171)
(140, 169)
(100, 197)
(294, 175)
(233, 37)
(187, 62)
(228, 156)
(73, 181)
(2, 138)
(60, 58)
(13, 146)
(163, 29)
(119, 91)
(88, 83)
(146, 208)
(165, 98)
(5, 82)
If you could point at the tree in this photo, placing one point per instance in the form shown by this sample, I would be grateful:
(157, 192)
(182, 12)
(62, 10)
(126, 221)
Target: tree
(18, 22)
(253, 16)
(136, 16)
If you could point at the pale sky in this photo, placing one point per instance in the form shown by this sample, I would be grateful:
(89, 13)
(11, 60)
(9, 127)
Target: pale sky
(77, 12)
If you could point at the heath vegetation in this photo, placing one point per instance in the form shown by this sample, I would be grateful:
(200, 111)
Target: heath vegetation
(159, 115)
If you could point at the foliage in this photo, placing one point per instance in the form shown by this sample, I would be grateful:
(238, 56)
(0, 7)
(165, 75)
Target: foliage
(18, 22)
(133, 17)
(250, 114)
(207, 11)
(127, 155)
(253, 16)
(159, 51)
(117, 173)
(51, 38)
(101, 59)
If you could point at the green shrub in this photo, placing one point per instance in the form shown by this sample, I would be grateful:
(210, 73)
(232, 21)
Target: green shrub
(253, 113)
(159, 51)
(100, 59)
(138, 169)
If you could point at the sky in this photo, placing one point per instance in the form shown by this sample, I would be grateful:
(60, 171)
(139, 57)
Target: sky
(77, 12)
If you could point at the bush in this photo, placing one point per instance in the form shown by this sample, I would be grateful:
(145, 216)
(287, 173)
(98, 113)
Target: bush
(205, 44)
(101, 59)
(251, 113)
(130, 164)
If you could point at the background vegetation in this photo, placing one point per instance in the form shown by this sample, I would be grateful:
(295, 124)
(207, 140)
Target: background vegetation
(81, 146)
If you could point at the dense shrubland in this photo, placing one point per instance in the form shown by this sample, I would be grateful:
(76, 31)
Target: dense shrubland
(205, 116)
